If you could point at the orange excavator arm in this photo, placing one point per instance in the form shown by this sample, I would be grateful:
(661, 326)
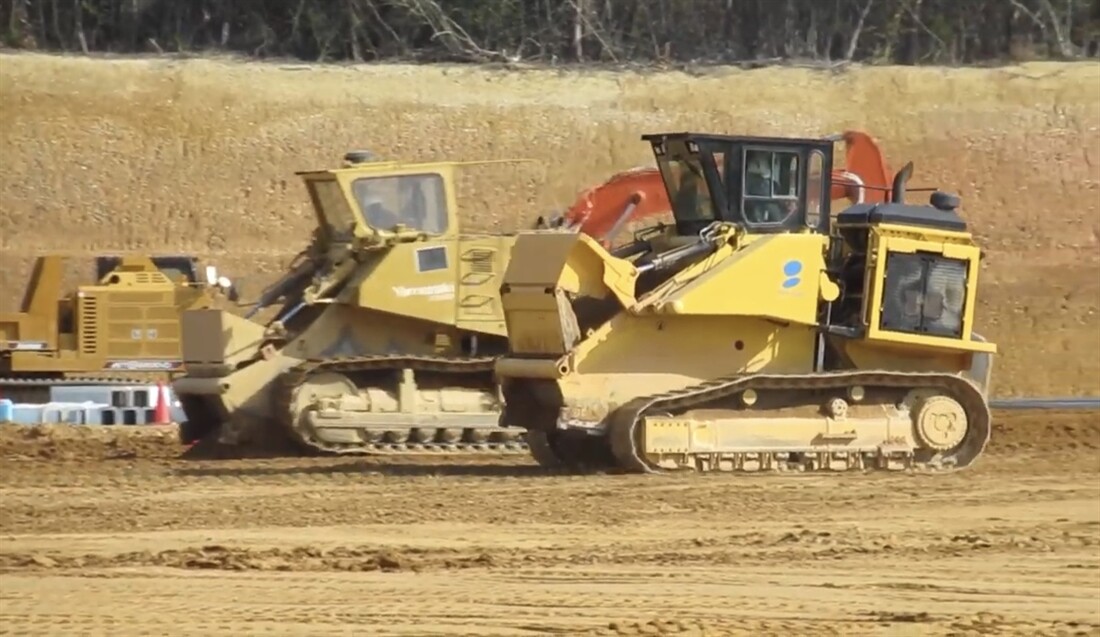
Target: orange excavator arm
(865, 177)
(602, 210)
(638, 193)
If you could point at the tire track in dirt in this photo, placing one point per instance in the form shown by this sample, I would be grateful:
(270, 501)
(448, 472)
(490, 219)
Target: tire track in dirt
(97, 492)
(708, 546)
(580, 601)
(222, 558)
(541, 500)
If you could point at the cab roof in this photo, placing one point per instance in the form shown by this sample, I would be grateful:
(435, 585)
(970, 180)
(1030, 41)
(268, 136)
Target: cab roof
(738, 139)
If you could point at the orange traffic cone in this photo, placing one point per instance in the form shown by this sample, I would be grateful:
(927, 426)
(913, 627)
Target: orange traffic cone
(160, 414)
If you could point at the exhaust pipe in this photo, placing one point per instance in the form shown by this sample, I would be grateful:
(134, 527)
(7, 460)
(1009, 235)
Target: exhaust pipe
(897, 195)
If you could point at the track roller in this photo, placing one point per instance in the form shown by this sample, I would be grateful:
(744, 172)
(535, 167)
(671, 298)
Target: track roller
(395, 404)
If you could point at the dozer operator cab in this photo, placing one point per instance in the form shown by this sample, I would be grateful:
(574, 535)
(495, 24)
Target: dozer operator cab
(767, 185)
(377, 202)
(388, 238)
(904, 270)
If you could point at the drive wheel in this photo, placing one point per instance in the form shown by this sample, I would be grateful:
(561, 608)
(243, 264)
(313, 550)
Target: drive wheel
(940, 423)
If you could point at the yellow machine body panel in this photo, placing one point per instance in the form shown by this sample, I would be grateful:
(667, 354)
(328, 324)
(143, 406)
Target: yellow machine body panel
(778, 277)
(685, 330)
(453, 281)
(546, 266)
(36, 324)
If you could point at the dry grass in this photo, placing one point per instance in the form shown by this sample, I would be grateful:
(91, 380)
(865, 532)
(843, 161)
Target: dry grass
(199, 156)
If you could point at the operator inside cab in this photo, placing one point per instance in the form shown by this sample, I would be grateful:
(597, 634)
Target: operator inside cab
(690, 194)
(771, 186)
(377, 213)
(414, 208)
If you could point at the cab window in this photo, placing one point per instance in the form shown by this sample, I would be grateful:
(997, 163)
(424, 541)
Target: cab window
(687, 190)
(771, 187)
(417, 201)
(331, 206)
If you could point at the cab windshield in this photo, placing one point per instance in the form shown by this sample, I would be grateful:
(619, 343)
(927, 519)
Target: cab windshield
(687, 190)
(418, 202)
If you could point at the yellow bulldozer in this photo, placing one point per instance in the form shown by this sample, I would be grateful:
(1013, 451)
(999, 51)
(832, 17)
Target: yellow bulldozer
(760, 332)
(124, 328)
(386, 329)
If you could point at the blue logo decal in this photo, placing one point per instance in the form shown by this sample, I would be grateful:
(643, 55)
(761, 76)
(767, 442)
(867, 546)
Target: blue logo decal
(791, 269)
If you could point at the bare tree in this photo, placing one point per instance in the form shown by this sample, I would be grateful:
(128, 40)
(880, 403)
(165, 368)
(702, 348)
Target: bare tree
(662, 31)
(853, 41)
(457, 41)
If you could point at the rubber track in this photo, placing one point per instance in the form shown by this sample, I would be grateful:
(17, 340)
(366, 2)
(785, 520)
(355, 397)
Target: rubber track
(292, 379)
(624, 421)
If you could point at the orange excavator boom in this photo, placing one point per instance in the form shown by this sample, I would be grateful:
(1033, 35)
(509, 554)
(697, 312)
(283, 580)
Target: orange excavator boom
(638, 193)
(601, 211)
(865, 177)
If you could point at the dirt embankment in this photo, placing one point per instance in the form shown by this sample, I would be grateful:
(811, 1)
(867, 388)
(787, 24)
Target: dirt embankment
(199, 156)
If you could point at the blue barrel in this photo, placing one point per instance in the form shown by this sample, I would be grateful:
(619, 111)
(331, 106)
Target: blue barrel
(7, 410)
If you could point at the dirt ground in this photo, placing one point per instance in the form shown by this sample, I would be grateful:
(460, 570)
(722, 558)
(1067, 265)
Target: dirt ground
(199, 156)
(109, 531)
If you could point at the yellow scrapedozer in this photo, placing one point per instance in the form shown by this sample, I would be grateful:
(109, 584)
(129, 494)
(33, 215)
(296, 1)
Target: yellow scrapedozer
(761, 333)
(385, 340)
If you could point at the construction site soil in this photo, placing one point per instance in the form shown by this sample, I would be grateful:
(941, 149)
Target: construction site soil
(107, 530)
